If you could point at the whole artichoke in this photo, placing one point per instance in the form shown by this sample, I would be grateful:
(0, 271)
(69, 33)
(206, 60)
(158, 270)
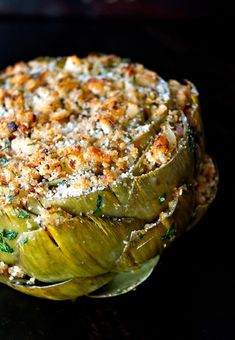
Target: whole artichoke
(102, 166)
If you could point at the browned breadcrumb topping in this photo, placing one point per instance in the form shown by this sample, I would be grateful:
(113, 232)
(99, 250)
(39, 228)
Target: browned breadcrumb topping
(206, 183)
(70, 125)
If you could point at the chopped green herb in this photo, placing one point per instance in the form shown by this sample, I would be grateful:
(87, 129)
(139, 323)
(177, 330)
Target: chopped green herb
(33, 143)
(191, 139)
(98, 204)
(3, 160)
(23, 214)
(169, 234)
(25, 240)
(10, 198)
(4, 246)
(162, 198)
(7, 143)
(10, 234)
(140, 235)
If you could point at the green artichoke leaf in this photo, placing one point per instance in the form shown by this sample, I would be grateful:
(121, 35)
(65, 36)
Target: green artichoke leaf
(66, 290)
(40, 257)
(149, 187)
(101, 241)
(79, 247)
(201, 209)
(85, 204)
(149, 242)
(141, 187)
(123, 282)
(195, 115)
(13, 222)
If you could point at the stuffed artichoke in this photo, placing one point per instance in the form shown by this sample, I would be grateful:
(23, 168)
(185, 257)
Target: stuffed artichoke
(102, 166)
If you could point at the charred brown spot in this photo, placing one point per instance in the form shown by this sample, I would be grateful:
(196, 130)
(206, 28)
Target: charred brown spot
(72, 163)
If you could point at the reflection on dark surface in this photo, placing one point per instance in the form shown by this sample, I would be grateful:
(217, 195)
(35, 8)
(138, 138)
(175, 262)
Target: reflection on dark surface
(191, 292)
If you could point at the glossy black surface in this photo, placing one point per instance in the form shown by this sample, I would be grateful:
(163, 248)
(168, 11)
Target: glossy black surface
(190, 295)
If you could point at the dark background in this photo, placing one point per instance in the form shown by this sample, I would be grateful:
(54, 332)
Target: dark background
(190, 295)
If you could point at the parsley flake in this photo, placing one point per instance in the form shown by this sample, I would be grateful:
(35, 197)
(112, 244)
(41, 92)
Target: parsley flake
(98, 204)
(191, 139)
(10, 198)
(23, 214)
(25, 240)
(10, 234)
(4, 246)
(171, 232)
(3, 160)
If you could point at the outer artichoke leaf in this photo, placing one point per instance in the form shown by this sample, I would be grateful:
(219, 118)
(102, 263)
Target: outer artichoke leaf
(140, 187)
(84, 204)
(93, 244)
(40, 257)
(196, 116)
(13, 222)
(201, 209)
(123, 282)
(67, 290)
(162, 181)
(149, 242)
(143, 246)
(183, 210)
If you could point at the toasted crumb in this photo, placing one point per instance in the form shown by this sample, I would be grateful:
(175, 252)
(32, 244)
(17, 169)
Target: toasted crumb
(3, 268)
(16, 272)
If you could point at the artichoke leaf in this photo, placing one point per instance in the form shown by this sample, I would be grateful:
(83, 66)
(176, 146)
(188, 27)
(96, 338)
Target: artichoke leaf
(123, 282)
(93, 243)
(79, 247)
(201, 209)
(67, 290)
(195, 115)
(13, 222)
(148, 188)
(155, 237)
(84, 204)
(40, 257)
(132, 191)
